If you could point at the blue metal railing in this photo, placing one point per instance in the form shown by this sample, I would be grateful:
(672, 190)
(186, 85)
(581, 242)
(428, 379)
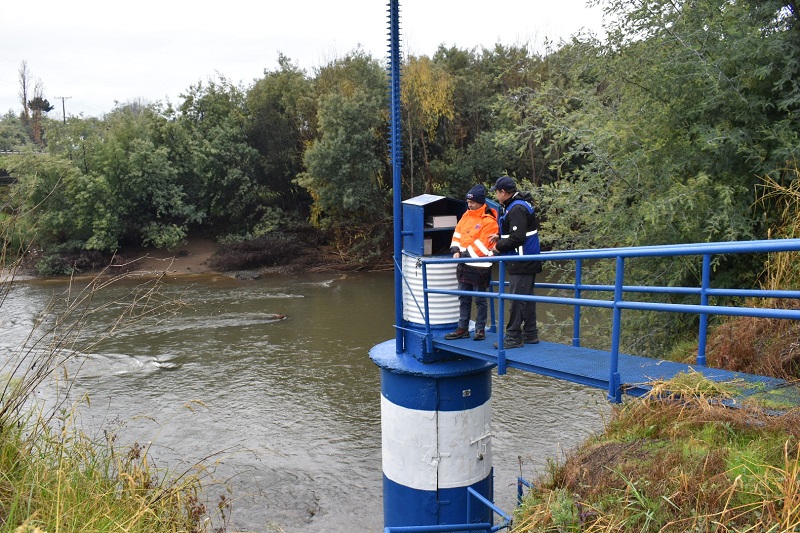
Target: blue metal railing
(486, 527)
(617, 304)
(522, 482)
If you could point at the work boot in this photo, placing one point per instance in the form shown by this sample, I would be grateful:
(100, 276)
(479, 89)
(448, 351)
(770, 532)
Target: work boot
(457, 334)
(479, 335)
(532, 340)
(509, 343)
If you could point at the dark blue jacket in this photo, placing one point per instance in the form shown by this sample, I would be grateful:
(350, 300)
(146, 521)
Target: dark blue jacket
(519, 233)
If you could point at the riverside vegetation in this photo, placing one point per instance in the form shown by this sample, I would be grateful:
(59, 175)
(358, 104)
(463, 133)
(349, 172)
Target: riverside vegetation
(681, 460)
(680, 125)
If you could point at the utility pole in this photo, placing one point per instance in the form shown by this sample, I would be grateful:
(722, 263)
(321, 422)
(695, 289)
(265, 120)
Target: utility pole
(63, 107)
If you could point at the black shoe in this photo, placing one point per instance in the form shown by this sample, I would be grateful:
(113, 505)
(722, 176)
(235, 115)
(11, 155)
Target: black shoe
(531, 340)
(457, 334)
(509, 343)
(479, 335)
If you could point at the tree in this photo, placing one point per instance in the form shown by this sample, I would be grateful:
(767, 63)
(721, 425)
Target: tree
(665, 128)
(220, 168)
(133, 193)
(38, 106)
(426, 91)
(347, 165)
(345, 168)
(24, 88)
(281, 122)
(12, 133)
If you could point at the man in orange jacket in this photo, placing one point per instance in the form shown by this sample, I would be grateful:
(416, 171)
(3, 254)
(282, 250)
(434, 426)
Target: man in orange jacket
(471, 239)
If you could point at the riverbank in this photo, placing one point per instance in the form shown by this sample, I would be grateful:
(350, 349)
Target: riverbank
(191, 258)
(676, 461)
(199, 255)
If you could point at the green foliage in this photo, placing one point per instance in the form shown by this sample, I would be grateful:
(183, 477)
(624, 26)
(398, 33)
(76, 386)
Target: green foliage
(13, 133)
(221, 168)
(163, 235)
(659, 134)
(346, 165)
(669, 121)
(281, 121)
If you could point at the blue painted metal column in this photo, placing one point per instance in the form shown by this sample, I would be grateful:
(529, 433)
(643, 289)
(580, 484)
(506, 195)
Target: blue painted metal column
(614, 390)
(704, 285)
(395, 145)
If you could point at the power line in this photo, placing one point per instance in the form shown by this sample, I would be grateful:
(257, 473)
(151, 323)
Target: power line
(63, 107)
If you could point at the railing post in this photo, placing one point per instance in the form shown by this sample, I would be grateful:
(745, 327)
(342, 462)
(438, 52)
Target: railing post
(501, 329)
(701, 338)
(576, 315)
(492, 315)
(614, 392)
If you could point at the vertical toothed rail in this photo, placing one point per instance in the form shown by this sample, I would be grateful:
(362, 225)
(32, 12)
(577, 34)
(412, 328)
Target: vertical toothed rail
(395, 146)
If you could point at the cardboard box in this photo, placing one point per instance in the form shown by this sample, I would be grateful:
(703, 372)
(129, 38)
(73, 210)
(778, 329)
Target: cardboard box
(445, 221)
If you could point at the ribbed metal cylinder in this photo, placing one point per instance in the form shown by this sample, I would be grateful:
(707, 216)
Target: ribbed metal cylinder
(436, 438)
(443, 308)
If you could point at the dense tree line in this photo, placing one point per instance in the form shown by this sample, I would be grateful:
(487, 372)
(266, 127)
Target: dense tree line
(661, 133)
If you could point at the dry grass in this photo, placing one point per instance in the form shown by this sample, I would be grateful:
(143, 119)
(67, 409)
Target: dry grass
(52, 476)
(762, 346)
(676, 461)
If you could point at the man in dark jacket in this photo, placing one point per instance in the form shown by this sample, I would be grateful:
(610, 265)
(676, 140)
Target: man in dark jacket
(519, 235)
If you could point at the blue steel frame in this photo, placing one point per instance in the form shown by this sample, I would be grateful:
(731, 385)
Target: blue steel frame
(619, 289)
(395, 145)
(486, 527)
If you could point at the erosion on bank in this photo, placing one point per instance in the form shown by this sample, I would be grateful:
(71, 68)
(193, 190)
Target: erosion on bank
(246, 259)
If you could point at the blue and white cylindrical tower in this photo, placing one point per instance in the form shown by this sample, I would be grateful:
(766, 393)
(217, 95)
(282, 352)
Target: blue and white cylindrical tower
(436, 414)
(436, 439)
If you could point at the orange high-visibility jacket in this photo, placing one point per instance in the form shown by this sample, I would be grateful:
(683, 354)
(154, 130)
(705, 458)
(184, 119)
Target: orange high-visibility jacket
(472, 233)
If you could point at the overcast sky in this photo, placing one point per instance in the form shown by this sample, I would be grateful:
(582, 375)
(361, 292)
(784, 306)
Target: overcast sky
(95, 52)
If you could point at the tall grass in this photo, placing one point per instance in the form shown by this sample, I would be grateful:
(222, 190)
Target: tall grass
(53, 477)
(769, 347)
(675, 461)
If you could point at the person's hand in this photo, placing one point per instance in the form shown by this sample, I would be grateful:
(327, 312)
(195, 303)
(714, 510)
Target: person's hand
(457, 255)
(494, 238)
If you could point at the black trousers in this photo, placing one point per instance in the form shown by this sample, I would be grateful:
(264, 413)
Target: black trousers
(522, 317)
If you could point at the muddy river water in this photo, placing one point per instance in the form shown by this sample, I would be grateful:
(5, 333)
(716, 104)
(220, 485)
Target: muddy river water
(268, 383)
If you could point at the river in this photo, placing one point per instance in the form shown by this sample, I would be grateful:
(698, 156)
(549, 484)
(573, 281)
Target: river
(269, 385)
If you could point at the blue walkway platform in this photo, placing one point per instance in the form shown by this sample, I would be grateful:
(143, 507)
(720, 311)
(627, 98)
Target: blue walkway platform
(617, 372)
(591, 367)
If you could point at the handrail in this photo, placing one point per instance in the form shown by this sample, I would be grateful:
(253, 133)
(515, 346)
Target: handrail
(522, 482)
(486, 527)
(619, 289)
(455, 528)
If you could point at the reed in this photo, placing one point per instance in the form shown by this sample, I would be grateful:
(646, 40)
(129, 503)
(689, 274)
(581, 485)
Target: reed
(53, 477)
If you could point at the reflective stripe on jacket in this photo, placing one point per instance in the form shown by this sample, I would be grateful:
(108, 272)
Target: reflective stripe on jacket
(530, 244)
(519, 233)
(472, 233)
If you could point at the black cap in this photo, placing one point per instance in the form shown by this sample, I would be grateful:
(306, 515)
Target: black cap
(477, 194)
(504, 183)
